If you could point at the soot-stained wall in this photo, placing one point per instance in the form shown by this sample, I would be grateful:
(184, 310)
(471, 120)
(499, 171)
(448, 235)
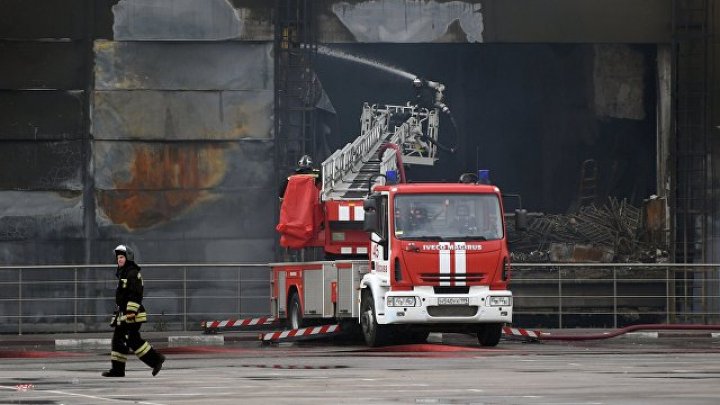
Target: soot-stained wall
(139, 122)
(150, 122)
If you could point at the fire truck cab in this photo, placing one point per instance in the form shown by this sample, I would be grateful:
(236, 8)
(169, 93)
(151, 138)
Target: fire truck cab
(439, 261)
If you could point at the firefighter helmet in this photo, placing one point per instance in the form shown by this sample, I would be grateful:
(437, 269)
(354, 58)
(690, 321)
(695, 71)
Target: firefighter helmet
(125, 251)
(419, 214)
(305, 162)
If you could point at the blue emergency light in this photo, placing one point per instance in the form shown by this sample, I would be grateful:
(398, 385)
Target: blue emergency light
(484, 176)
(391, 177)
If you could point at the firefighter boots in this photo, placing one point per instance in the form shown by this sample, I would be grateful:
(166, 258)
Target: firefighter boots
(151, 357)
(158, 365)
(117, 370)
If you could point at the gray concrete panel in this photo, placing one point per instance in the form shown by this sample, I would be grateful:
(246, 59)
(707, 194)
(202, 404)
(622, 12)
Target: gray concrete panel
(183, 66)
(188, 250)
(27, 215)
(190, 20)
(182, 166)
(182, 115)
(410, 21)
(573, 21)
(41, 115)
(183, 248)
(516, 21)
(37, 252)
(41, 165)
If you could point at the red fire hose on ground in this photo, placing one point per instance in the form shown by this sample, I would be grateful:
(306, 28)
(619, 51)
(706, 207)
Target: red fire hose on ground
(542, 336)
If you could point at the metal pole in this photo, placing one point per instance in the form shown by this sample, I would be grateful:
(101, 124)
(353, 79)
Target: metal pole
(19, 301)
(184, 298)
(667, 295)
(75, 303)
(560, 304)
(615, 315)
(239, 289)
(704, 294)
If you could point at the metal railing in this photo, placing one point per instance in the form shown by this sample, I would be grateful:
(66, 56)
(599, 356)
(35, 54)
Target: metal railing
(80, 298)
(614, 295)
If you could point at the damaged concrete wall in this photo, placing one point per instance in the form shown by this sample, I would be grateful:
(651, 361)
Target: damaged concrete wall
(170, 98)
(506, 21)
(148, 122)
(139, 122)
(193, 20)
(43, 133)
(182, 121)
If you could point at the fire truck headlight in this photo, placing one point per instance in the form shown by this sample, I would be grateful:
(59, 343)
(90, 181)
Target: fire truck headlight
(401, 301)
(500, 301)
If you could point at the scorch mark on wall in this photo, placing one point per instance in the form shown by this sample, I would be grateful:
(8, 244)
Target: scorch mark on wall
(164, 182)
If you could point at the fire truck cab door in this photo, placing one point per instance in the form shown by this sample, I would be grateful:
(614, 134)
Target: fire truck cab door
(379, 240)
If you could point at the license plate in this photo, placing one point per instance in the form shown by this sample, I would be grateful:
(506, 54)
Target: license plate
(452, 301)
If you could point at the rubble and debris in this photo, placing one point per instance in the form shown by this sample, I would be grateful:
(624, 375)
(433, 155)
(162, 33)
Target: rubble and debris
(614, 232)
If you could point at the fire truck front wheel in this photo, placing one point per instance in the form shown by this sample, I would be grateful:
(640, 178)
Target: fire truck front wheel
(374, 334)
(489, 334)
(295, 315)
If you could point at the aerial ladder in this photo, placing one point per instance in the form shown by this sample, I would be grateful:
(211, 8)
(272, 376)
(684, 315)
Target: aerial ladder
(391, 136)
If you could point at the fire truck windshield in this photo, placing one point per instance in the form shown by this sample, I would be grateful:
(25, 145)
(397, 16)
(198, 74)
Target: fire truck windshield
(447, 217)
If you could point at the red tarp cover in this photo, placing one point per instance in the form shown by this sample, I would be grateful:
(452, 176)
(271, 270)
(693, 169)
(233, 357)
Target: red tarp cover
(300, 212)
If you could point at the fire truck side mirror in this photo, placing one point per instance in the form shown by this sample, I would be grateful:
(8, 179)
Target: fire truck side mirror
(370, 223)
(521, 220)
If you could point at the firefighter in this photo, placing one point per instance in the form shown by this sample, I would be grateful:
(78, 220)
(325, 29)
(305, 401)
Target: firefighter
(304, 166)
(129, 316)
(464, 222)
(418, 217)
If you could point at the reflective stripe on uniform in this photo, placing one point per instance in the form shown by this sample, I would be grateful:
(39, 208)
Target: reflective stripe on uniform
(132, 306)
(138, 318)
(117, 356)
(143, 349)
(124, 282)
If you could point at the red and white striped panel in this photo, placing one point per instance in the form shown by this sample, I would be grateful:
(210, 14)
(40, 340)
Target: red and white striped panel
(316, 331)
(344, 211)
(519, 332)
(266, 320)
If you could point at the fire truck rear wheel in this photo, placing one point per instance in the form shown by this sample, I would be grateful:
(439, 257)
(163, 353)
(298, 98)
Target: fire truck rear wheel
(295, 314)
(489, 335)
(374, 334)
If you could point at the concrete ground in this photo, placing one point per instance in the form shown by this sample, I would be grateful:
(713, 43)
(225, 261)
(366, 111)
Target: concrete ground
(234, 367)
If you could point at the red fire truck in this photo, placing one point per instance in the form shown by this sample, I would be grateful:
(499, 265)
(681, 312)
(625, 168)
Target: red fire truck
(407, 259)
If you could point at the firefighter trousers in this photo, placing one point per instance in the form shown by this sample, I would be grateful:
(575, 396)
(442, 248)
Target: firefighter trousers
(126, 339)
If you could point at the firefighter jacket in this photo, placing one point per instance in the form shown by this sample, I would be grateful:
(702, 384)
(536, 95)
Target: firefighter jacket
(129, 294)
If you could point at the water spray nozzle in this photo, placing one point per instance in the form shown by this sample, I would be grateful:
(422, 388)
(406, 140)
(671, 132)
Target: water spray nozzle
(435, 85)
